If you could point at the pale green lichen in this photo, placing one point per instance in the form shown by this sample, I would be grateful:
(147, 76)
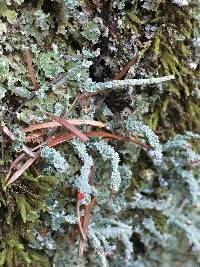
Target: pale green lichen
(144, 204)
(54, 158)
(107, 152)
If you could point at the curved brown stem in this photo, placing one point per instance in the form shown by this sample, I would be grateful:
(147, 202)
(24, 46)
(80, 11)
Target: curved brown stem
(79, 219)
(67, 137)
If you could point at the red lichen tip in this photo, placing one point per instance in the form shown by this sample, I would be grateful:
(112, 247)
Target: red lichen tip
(80, 195)
(109, 254)
(194, 161)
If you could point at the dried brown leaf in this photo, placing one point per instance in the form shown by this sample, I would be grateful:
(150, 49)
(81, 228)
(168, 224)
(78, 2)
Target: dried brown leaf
(30, 68)
(13, 165)
(18, 173)
(27, 150)
(79, 219)
(54, 141)
(54, 124)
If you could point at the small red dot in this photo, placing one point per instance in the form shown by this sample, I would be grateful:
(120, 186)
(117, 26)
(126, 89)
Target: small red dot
(194, 161)
(109, 254)
(80, 195)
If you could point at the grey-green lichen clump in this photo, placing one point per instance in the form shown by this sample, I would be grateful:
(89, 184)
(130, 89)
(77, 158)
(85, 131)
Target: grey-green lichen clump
(118, 184)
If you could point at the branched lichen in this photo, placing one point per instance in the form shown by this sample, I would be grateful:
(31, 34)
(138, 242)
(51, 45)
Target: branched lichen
(139, 128)
(108, 152)
(82, 181)
(93, 87)
(54, 158)
(127, 74)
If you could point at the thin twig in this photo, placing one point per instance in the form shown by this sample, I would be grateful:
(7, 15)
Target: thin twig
(20, 157)
(87, 215)
(79, 219)
(12, 136)
(70, 127)
(80, 248)
(19, 172)
(66, 113)
(54, 141)
(2, 145)
(56, 124)
(2, 139)
(14, 164)
(9, 133)
(30, 68)
(126, 68)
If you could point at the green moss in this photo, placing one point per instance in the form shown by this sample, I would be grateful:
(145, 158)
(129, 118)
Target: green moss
(170, 49)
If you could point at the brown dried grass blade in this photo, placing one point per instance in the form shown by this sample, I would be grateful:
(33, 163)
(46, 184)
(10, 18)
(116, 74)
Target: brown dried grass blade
(13, 165)
(79, 219)
(66, 113)
(54, 124)
(87, 216)
(18, 173)
(126, 68)
(9, 133)
(44, 125)
(30, 68)
(27, 150)
(70, 127)
(54, 141)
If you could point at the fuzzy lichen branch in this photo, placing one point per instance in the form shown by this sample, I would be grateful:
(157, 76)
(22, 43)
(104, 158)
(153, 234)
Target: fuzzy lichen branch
(117, 84)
